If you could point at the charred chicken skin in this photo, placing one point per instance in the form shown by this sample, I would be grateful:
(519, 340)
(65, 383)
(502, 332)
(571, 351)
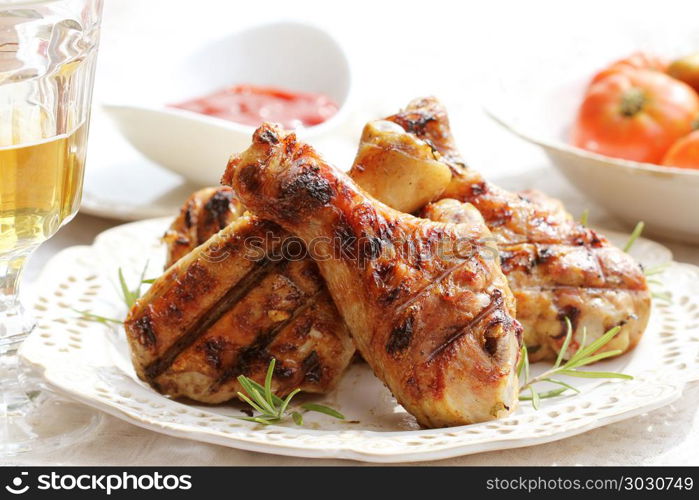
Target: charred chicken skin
(204, 214)
(231, 305)
(426, 302)
(556, 267)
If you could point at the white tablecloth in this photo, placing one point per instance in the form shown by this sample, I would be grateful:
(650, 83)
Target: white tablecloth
(454, 41)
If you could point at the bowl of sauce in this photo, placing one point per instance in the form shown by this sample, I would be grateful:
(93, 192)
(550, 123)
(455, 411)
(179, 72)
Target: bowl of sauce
(254, 104)
(192, 118)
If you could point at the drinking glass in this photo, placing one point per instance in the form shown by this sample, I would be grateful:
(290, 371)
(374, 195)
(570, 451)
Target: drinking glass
(48, 50)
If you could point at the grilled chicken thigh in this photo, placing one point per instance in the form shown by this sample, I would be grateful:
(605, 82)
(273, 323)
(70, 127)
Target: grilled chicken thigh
(556, 267)
(426, 302)
(228, 307)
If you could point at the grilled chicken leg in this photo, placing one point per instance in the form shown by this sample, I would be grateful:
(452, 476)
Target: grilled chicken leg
(426, 302)
(556, 267)
(231, 305)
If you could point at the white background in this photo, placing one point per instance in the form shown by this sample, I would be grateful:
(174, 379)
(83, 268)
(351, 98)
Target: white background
(402, 49)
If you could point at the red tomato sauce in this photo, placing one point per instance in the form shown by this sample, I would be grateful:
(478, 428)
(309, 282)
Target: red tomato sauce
(252, 105)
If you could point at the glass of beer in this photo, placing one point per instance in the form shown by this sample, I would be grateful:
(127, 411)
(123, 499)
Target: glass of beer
(48, 50)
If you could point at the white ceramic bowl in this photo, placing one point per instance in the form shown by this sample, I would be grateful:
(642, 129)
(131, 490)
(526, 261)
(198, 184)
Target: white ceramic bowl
(542, 110)
(292, 55)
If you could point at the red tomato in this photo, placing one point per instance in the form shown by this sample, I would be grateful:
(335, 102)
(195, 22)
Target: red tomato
(684, 153)
(635, 114)
(686, 70)
(637, 60)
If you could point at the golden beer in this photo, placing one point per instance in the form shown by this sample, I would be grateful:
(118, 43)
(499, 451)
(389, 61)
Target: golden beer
(40, 188)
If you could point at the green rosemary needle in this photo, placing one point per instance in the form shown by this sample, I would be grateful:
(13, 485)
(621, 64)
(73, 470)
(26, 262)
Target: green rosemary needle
(583, 356)
(634, 235)
(273, 409)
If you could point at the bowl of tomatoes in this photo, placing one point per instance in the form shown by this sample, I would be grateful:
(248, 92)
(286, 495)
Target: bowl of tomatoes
(626, 135)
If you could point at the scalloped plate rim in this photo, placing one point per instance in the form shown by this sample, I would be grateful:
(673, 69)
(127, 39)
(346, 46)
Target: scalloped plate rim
(349, 453)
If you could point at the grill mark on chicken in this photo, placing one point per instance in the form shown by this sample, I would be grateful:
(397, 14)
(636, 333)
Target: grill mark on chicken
(257, 349)
(417, 123)
(218, 208)
(249, 176)
(212, 349)
(495, 303)
(312, 367)
(269, 137)
(209, 318)
(543, 255)
(512, 261)
(573, 315)
(146, 335)
(499, 217)
(429, 287)
(345, 240)
(189, 216)
(600, 266)
(306, 191)
(479, 188)
(400, 336)
(205, 213)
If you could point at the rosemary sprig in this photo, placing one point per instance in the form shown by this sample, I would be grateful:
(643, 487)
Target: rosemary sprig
(87, 315)
(273, 409)
(634, 235)
(637, 230)
(130, 296)
(323, 409)
(584, 217)
(583, 356)
(653, 271)
(664, 296)
(659, 269)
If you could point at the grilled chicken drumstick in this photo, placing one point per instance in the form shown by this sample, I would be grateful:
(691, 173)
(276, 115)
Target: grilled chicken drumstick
(556, 267)
(230, 305)
(426, 302)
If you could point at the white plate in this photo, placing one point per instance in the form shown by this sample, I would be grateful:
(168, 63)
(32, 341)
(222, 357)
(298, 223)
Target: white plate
(90, 362)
